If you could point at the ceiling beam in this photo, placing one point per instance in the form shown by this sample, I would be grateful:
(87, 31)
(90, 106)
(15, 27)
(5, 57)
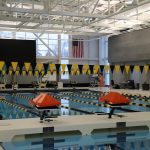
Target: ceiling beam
(34, 20)
(47, 13)
(114, 14)
(48, 30)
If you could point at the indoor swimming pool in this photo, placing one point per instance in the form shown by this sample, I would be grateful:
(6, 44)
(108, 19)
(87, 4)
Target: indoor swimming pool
(16, 106)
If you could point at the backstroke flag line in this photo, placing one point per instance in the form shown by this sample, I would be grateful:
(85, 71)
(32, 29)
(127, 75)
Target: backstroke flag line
(77, 48)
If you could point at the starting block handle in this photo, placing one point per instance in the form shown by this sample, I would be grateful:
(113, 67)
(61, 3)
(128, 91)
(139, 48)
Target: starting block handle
(111, 112)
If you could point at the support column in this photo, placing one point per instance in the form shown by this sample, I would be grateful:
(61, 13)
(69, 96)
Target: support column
(59, 55)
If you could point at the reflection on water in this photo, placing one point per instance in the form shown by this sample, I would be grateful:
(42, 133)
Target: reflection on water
(110, 140)
(65, 103)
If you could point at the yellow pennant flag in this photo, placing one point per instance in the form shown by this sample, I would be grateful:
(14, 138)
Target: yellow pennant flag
(14, 65)
(72, 72)
(3, 72)
(107, 68)
(1, 65)
(84, 71)
(63, 66)
(146, 67)
(17, 72)
(23, 72)
(39, 67)
(78, 72)
(89, 72)
(85, 68)
(137, 68)
(96, 68)
(42, 73)
(10, 72)
(27, 66)
(127, 68)
(48, 72)
(51, 67)
(75, 67)
(117, 68)
(36, 73)
(30, 72)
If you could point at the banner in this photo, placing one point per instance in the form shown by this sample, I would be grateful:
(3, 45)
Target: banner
(14, 65)
(146, 68)
(69, 68)
(63, 67)
(39, 67)
(85, 69)
(10, 72)
(74, 67)
(107, 68)
(45, 67)
(112, 67)
(127, 68)
(27, 66)
(96, 69)
(131, 68)
(80, 68)
(30, 72)
(101, 68)
(23, 72)
(17, 72)
(1, 65)
(48, 72)
(117, 68)
(122, 69)
(57, 68)
(42, 73)
(91, 67)
(36, 73)
(136, 67)
(3, 72)
(141, 68)
(51, 67)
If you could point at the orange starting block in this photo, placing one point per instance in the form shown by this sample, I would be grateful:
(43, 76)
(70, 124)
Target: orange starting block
(44, 103)
(114, 100)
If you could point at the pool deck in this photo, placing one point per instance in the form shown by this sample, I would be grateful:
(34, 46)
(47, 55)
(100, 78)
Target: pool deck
(129, 91)
(9, 129)
(104, 89)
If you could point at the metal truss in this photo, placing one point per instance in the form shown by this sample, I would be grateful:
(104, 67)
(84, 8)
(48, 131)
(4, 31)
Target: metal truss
(86, 17)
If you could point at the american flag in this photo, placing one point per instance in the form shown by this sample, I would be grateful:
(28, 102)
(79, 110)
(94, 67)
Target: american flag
(77, 48)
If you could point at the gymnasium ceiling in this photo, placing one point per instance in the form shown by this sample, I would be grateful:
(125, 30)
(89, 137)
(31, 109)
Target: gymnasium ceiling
(75, 17)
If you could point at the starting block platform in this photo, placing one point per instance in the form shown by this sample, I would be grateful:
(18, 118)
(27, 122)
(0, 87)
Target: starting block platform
(85, 124)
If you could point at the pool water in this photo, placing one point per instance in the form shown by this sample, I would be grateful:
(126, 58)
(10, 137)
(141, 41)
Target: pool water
(72, 103)
(127, 140)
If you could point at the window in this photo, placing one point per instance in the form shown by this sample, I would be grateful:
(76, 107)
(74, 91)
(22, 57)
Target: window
(20, 35)
(6, 34)
(47, 44)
